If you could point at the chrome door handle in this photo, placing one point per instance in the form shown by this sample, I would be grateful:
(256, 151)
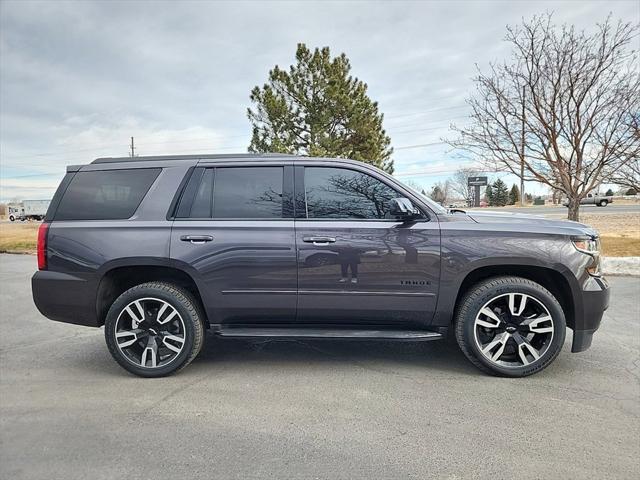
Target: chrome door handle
(196, 239)
(319, 240)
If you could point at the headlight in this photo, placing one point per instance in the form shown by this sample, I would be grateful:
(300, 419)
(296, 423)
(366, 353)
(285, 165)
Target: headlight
(588, 245)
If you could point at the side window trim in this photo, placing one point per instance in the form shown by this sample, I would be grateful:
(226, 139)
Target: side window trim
(203, 179)
(288, 192)
(300, 200)
(57, 197)
(177, 198)
(186, 198)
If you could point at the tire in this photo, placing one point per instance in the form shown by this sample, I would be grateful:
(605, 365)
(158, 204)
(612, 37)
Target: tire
(515, 339)
(603, 203)
(154, 329)
(12, 218)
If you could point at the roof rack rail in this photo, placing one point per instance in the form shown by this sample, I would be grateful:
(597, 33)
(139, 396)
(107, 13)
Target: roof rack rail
(208, 156)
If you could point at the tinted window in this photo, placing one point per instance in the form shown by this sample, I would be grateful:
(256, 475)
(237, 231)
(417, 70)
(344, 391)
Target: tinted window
(201, 207)
(247, 192)
(342, 193)
(105, 195)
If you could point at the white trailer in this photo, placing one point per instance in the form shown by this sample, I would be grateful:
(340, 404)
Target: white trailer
(29, 210)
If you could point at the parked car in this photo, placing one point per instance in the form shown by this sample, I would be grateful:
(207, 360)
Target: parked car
(161, 249)
(593, 199)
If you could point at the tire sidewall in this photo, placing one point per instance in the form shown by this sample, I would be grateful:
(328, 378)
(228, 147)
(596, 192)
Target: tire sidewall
(533, 290)
(136, 293)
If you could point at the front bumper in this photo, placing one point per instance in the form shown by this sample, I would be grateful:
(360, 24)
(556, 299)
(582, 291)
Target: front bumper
(595, 300)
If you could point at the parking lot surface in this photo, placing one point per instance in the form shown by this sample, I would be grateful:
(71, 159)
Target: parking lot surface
(311, 409)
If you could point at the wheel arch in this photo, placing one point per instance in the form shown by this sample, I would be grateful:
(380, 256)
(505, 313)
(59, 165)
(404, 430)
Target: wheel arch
(118, 277)
(553, 279)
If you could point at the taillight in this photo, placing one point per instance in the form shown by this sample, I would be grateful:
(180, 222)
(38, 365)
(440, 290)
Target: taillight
(42, 246)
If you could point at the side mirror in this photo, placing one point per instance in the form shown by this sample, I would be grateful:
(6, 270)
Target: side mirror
(403, 208)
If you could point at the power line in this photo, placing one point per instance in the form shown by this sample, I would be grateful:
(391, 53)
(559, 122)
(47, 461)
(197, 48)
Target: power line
(420, 145)
(437, 171)
(444, 122)
(422, 112)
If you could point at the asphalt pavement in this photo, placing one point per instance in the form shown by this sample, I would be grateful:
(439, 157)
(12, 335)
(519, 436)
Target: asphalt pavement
(561, 212)
(312, 409)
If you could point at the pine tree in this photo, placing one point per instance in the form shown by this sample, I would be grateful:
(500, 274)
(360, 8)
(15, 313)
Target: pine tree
(514, 195)
(488, 193)
(500, 193)
(317, 108)
(609, 193)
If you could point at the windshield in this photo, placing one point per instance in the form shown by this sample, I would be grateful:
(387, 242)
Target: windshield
(436, 207)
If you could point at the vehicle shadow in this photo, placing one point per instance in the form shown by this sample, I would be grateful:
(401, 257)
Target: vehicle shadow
(441, 355)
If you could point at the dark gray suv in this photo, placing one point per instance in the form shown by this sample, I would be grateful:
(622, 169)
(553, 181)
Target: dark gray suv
(160, 249)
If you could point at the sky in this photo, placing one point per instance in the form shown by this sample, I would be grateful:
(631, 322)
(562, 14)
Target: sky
(78, 79)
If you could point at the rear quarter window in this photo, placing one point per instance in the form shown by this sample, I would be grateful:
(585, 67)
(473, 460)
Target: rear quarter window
(105, 194)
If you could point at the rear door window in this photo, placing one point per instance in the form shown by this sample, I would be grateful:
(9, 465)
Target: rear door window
(248, 192)
(105, 194)
(235, 193)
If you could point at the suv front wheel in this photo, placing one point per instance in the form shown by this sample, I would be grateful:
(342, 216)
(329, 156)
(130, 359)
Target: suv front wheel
(510, 326)
(154, 329)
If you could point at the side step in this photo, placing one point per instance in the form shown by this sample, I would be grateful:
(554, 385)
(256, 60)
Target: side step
(327, 333)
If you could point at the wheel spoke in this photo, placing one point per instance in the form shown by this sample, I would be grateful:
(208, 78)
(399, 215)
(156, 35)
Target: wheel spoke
(175, 339)
(542, 324)
(136, 318)
(169, 317)
(150, 353)
(524, 348)
(161, 311)
(495, 348)
(521, 304)
(130, 336)
(491, 320)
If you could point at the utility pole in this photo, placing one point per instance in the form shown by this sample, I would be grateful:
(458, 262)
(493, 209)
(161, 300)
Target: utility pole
(522, 153)
(133, 149)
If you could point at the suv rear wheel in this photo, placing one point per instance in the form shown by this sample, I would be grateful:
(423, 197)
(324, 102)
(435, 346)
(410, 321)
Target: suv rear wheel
(154, 329)
(510, 326)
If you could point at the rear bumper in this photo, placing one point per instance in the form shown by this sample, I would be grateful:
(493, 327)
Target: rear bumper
(64, 298)
(595, 300)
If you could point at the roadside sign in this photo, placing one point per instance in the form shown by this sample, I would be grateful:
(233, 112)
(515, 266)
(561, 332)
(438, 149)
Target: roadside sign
(477, 181)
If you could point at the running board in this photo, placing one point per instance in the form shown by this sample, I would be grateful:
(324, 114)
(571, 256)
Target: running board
(331, 333)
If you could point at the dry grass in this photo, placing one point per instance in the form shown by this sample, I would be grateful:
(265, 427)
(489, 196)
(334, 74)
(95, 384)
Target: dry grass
(19, 237)
(620, 246)
(619, 232)
(614, 224)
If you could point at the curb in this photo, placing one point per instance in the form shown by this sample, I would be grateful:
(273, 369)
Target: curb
(629, 266)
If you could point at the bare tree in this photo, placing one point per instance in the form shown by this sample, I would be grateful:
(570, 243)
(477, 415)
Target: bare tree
(460, 183)
(628, 175)
(441, 192)
(559, 111)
